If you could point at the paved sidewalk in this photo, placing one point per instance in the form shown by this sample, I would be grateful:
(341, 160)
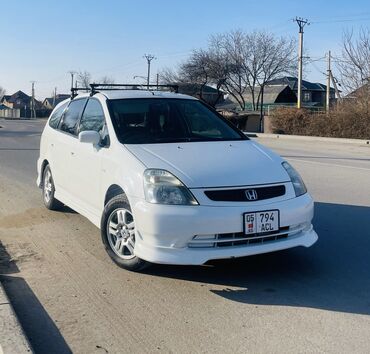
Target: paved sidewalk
(310, 138)
(12, 337)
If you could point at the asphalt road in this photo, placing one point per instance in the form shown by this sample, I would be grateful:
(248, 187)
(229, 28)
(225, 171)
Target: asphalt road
(69, 296)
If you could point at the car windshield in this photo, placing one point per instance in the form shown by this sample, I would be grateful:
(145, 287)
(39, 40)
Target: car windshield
(164, 120)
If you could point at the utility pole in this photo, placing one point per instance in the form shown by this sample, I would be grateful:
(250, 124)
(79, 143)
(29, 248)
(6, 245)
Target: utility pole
(301, 23)
(157, 80)
(335, 82)
(328, 82)
(33, 111)
(149, 58)
(55, 96)
(72, 75)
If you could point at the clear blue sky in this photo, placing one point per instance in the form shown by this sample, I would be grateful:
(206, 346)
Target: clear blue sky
(43, 40)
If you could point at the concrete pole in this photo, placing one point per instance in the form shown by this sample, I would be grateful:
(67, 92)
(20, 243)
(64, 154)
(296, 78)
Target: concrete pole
(148, 77)
(300, 68)
(149, 58)
(301, 23)
(33, 112)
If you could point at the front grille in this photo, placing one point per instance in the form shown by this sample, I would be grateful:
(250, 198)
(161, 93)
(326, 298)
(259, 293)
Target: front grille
(239, 195)
(240, 239)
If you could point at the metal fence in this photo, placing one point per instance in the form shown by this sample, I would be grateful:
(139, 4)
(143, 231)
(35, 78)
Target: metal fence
(312, 109)
(10, 113)
(17, 113)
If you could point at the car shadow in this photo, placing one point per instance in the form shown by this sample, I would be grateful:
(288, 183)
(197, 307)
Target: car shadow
(332, 275)
(39, 328)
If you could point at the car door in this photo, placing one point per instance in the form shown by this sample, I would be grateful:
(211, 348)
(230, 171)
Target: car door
(64, 147)
(87, 158)
(51, 139)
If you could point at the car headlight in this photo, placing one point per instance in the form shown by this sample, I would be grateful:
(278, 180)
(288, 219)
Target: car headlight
(298, 184)
(162, 187)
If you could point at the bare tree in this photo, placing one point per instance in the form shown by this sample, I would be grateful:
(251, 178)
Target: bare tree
(252, 60)
(84, 78)
(169, 76)
(227, 57)
(198, 70)
(106, 80)
(355, 64)
(240, 64)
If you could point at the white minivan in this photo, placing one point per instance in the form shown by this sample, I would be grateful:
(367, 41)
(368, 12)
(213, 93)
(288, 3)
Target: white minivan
(169, 180)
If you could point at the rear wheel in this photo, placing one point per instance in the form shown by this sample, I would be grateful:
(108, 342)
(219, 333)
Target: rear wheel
(48, 190)
(118, 234)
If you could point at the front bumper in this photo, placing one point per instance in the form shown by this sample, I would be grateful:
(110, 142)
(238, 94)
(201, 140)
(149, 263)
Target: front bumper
(164, 232)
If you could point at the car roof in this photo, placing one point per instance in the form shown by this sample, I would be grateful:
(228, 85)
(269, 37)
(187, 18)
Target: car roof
(123, 94)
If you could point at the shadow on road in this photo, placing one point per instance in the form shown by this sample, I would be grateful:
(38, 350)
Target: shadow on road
(332, 275)
(40, 329)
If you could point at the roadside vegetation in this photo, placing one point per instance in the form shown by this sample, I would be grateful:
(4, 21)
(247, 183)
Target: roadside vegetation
(348, 119)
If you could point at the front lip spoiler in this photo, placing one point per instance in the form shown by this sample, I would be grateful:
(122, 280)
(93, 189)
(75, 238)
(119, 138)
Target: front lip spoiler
(199, 256)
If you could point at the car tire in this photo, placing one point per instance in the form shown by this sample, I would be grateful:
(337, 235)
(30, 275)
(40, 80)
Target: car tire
(48, 190)
(118, 234)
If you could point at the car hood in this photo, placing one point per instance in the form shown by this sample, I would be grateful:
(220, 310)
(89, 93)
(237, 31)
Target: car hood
(214, 164)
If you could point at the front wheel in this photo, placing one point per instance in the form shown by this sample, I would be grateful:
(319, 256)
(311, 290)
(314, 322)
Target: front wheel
(118, 234)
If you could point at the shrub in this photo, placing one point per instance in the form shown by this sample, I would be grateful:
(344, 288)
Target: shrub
(349, 119)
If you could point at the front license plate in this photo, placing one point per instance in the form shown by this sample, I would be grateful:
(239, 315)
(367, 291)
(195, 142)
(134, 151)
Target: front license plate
(261, 222)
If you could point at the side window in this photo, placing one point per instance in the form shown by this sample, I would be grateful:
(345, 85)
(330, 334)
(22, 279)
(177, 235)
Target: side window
(71, 116)
(93, 119)
(56, 115)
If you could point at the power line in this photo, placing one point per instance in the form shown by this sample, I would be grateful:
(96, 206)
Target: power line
(339, 21)
(317, 68)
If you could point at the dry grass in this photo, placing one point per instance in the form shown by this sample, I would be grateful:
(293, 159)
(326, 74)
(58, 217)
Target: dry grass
(350, 119)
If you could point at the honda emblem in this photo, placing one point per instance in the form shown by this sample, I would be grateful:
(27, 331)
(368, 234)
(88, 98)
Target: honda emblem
(251, 194)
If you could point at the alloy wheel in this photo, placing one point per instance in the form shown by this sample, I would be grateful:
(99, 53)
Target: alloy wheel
(121, 233)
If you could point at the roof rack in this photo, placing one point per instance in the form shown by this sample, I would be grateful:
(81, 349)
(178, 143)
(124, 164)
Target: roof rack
(111, 87)
(74, 91)
(94, 88)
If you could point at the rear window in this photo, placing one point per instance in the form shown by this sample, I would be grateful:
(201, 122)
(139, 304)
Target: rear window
(159, 120)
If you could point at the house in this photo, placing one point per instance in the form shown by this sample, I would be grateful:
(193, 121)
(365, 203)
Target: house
(313, 93)
(272, 94)
(51, 102)
(362, 92)
(19, 100)
(207, 93)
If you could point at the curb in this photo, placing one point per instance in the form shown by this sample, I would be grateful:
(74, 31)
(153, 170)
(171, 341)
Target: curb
(309, 138)
(13, 338)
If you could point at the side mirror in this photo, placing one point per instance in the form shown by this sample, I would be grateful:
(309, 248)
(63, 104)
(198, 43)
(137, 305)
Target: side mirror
(89, 136)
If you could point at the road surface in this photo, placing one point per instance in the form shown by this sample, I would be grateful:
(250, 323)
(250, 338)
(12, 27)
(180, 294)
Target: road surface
(69, 296)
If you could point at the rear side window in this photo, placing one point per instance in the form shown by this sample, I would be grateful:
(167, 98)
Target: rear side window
(72, 115)
(57, 114)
